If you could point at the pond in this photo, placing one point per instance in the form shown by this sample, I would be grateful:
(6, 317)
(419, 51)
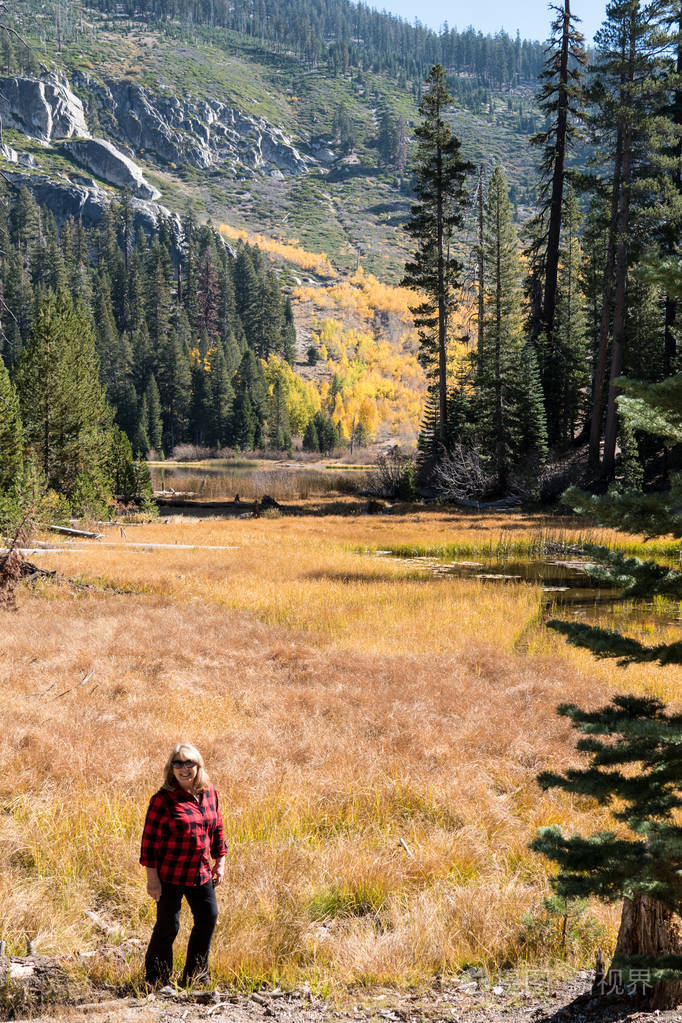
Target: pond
(567, 586)
(252, 479)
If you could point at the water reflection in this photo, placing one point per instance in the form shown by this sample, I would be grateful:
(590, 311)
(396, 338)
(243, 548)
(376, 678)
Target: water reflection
(567, 587)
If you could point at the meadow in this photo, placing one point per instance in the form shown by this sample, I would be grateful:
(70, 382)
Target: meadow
(374, 732)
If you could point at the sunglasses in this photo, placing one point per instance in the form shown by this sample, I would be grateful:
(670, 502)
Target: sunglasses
(179, 764)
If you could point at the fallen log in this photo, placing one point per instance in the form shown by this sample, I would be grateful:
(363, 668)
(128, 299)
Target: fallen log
(31, 571)
(26, 569)
(76, 532)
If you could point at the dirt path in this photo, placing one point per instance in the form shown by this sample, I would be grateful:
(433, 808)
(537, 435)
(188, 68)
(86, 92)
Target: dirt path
(513, 1000)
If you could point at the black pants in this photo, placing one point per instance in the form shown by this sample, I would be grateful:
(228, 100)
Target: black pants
(159, 959)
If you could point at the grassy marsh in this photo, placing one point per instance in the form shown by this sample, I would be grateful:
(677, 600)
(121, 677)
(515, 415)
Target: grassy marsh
(343, 702)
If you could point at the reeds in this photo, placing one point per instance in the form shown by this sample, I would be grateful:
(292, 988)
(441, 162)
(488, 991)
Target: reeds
(280, 484)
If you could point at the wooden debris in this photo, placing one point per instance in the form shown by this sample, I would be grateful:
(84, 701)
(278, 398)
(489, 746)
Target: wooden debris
(76, 532)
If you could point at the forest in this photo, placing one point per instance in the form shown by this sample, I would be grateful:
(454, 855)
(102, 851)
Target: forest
(433, 636)
(194, 340)
(343, 35)
(161, 347)
(589, 293)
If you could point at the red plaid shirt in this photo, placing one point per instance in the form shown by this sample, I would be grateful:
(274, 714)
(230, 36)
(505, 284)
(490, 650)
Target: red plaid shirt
(180, 835)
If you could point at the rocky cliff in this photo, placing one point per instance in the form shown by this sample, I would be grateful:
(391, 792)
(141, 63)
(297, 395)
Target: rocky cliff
(109, 164)
(195, 132)
(80, 198)
(44, 110)
(203, 134)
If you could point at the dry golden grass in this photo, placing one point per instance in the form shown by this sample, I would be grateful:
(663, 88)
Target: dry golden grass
(343, 702)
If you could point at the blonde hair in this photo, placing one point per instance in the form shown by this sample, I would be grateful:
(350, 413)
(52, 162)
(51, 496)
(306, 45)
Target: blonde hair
(201, 778)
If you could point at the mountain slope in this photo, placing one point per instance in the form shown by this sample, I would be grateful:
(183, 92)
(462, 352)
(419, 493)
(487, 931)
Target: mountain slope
(248, 132)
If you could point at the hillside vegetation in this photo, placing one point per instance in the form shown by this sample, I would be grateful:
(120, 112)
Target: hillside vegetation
(351, 204)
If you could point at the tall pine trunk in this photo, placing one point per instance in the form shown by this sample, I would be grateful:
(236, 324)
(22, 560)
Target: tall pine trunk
(622, 252)
(599, 374)
(554, 235)
(670, 342)
(499, 411)
(481, 279)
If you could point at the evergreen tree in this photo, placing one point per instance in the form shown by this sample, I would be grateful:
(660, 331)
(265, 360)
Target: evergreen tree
(343, 131)
(175, 384)
(434, 270)
(634, 771)
(109, 351)
(11, 433)
(18, 307)
(250, 401)
(199, 411)
(561, 100)
(499, 381)
(288, 334)
(158, 297)
(221, 399)
(244, 424)
(625, 82)
(246, 290)
(141, 443)
(154, 421)
(636, 768)
(208, 296)
(26, 226)
(570, 327)
(63, 408)
(311, 442)
(392, 141)
(279, 432)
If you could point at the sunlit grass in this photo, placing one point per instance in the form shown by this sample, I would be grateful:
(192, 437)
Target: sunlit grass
(374, 733)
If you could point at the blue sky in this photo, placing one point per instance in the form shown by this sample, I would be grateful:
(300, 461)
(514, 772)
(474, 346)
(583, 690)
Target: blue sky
(531, 17)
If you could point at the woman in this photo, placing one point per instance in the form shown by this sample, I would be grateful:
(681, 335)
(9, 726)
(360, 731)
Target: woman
(182, 832)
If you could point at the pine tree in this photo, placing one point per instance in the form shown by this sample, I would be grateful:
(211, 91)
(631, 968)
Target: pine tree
(288, 345)
(154, 420)
(499, 378)
(109, 351)
(221, 399)
(11, 433)
(208, 296)
(561, 101)
(157, 297)
(244, 422)
(18, 307)
(311, 442)
(636, 769)
(250, 401)
(570, 327)
(175, 383)
(279, 432)
(625, 84)
(66, 418)
(199, 410)
(246, 293)
(434, 270)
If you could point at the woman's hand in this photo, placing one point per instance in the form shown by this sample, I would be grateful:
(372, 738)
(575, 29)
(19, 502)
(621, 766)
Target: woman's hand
(218, 871)
(153, 884)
